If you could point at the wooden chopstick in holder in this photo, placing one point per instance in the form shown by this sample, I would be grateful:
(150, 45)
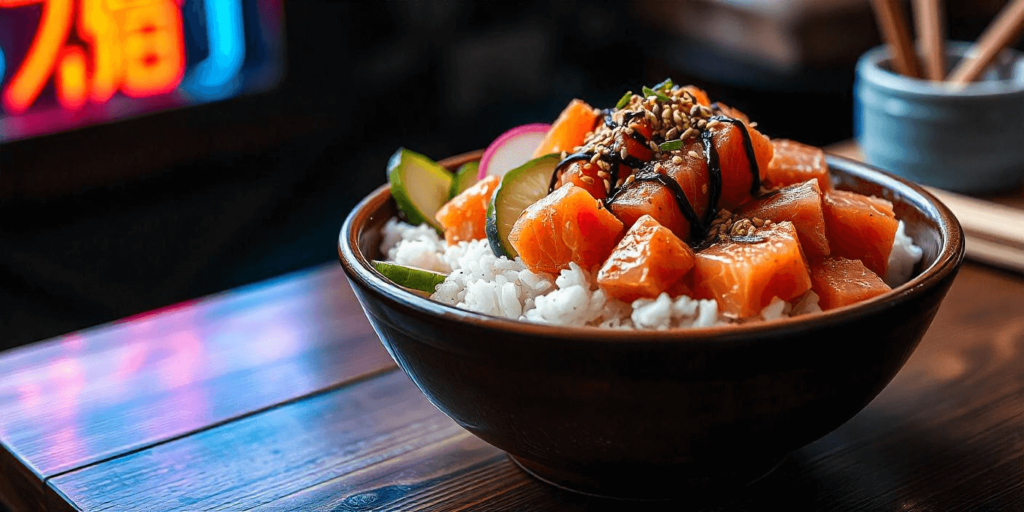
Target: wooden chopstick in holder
(1000, 33)
(893, 25)
(931, 34)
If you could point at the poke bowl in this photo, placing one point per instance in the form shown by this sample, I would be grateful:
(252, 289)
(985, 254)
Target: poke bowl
(649, 413)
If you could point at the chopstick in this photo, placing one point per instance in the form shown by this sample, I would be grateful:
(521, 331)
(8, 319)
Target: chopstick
(928, 21)
(993, 231)
(992, 253)
(1000, 33)
(896, 34)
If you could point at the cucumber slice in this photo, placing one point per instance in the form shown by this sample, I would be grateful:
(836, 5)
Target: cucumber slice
(419, 185)
(409, 277)
(465, 177)
(519, 188)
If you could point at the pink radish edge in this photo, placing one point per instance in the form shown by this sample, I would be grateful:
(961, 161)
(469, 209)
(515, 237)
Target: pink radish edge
(518, 131)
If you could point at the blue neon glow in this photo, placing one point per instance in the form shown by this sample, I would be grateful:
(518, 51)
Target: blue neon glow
(3, 65)
(216, 76)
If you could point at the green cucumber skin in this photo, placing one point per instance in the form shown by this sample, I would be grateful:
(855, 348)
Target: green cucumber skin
(491, 229)
(408, 277)
(500, 246)
(465, 177)
(398, 188)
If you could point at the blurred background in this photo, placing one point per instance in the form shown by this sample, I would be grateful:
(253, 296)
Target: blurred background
(231, 152)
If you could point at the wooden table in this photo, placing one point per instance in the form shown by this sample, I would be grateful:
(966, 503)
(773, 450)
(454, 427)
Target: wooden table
(278, 396)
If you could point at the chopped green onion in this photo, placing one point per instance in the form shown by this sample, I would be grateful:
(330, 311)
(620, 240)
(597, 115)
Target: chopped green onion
(671, 145)
(651, 92)
(664, 86)
(624, 100)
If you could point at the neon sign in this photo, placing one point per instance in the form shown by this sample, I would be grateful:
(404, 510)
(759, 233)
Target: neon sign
(67, 63)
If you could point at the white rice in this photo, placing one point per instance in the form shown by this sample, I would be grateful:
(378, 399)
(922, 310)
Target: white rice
(482, 282)
(902, 259)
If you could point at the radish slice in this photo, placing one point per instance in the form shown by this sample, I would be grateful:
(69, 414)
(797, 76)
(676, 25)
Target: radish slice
(512, 149)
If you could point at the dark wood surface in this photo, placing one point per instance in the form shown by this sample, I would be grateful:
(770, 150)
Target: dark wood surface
(278, 396)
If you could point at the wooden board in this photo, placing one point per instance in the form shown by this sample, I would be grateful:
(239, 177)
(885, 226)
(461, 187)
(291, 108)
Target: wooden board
(341, 429)
(100, 393)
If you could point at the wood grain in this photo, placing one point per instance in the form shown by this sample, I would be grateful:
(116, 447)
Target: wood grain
(258, 459)
(946, 434)
(93, 395)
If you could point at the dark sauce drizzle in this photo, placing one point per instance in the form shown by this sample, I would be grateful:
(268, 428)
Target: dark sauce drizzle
(647, 174)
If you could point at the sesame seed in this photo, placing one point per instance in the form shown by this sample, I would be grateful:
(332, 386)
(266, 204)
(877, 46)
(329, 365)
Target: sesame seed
(623, 153)
(595, 158)
(671, 134)
(690, 132)
(693, 154)
(587, 179)
(602, 174)
(702, 124)
(607, 186)
(694, 110)
(713, 123)
(677, 160)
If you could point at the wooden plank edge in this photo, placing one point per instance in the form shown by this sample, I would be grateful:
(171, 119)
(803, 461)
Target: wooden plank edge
(365, 376)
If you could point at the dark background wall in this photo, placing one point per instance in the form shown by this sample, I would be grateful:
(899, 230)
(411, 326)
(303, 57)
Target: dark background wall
(212, 197)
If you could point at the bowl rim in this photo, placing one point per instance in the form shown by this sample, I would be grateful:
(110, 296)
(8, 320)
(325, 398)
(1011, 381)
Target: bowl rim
(948, 261)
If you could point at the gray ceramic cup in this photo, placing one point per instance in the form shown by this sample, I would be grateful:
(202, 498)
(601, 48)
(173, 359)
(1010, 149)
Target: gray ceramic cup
(968, 140)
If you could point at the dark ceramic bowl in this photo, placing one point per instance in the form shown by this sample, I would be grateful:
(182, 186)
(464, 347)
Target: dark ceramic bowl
(645, 414)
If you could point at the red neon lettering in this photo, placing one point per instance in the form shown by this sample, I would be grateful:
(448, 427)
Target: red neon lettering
(30, 78)
(136, 46)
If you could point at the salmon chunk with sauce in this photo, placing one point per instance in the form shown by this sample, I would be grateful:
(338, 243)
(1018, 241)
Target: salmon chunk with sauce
(860, 228)
(649, 260)
(800, 204)
(840, 282)
(568, 225)
(793, 162)
(744, 273)
(464, 216)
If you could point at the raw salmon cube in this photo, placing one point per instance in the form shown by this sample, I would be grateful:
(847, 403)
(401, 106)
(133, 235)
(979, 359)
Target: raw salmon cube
(744, 273)
(860, 228)
(800, 204)
(568, 131)
(464, 217)
(839, 282)
(737, 175)
(639, 198)
(645, 263)
(794, 162)
(566, 225)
